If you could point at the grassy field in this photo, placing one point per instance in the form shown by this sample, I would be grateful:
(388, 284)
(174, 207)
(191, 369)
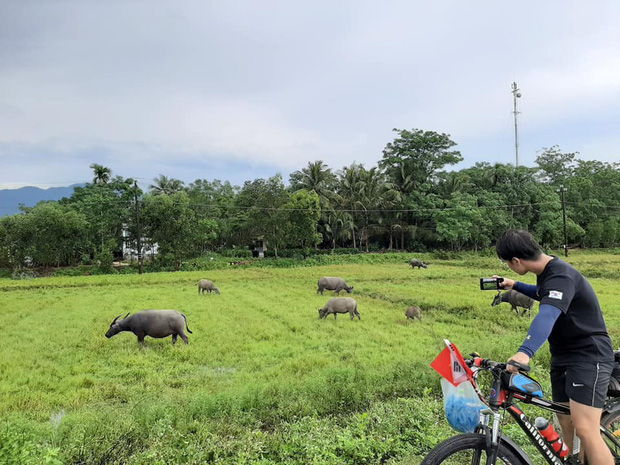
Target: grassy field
(263, 379)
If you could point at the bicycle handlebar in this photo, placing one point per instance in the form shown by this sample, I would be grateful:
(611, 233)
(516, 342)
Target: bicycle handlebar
(520, 366)
(487, 364)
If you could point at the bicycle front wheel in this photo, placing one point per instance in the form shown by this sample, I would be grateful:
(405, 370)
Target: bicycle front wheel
(468, 449)
(611, 421)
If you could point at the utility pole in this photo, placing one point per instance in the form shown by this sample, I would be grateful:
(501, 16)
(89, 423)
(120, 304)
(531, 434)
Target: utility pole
(561, 190)
(138, 232)
(516, 93)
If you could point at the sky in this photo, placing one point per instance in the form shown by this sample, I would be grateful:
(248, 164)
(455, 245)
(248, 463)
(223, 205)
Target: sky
(242, 89)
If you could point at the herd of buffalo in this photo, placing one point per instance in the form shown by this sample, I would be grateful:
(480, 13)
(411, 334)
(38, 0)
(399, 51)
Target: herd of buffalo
(164, 323)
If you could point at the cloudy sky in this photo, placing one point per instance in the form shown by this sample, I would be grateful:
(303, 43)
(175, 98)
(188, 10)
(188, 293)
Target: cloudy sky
(241, 89)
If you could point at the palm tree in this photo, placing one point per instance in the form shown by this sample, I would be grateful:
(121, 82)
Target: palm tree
(166, 186)
(338, 226)
(316, 177)
(376, 195)
(451, 182)
(350, 178)
(102, 173)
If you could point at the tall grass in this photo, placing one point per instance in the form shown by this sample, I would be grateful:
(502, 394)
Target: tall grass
(263, 379)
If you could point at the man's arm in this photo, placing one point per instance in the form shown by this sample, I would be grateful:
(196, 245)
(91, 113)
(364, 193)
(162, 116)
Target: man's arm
(530, 290)
(539, 331)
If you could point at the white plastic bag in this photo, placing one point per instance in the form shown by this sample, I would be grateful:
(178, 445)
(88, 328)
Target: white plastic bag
(462, 406)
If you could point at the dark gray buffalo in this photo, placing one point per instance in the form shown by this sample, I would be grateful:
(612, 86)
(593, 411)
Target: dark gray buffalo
(329, 283)
(515, 299)
(206, 285)
(340, 305)
(414, 312)
(153, 323)
(417, 262)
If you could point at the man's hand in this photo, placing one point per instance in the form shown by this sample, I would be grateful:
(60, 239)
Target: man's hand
(519, 357)
(506, 283)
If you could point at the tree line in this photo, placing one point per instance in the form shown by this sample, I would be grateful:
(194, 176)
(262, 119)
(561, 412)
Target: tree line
(408, 201)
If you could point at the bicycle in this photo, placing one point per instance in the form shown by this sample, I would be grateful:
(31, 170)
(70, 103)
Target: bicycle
(488, 445)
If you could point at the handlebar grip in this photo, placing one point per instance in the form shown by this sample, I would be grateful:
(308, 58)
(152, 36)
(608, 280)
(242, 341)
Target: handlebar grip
(519, 366)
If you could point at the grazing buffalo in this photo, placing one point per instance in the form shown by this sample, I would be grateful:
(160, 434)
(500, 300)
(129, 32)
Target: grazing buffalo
(333, 284)
(414, 312)
(417, 262)
(340, 305)
(206, 285)
(153, 323)
(515, 299)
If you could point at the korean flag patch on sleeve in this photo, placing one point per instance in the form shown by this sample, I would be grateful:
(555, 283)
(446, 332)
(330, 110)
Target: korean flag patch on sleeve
(555, 295)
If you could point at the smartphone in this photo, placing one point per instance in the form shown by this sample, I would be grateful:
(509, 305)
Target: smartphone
(490, 284)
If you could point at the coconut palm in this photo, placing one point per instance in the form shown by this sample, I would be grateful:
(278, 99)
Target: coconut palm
(376, 194)
(102, 173)
(166, 186)
(338, 226)
(316, 177)
(349, 182)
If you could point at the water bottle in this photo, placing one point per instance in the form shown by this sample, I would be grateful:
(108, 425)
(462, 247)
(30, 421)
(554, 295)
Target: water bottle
(553, 438)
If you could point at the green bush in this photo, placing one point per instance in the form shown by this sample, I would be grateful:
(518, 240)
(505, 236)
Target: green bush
(84, 270)
(237, 252)
(24, 273)
(19, 448)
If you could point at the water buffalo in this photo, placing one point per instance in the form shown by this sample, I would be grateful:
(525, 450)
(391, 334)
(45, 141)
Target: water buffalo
(153, 323)
(340, 305)
(417, 262)
(206, 285)
(333, 284)
(414, 312)
(515, 299)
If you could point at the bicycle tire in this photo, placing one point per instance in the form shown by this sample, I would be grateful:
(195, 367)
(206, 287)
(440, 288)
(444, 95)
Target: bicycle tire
(611, 421)
(468, 449)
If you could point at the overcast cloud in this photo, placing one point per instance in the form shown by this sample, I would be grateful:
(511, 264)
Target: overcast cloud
(236, 90)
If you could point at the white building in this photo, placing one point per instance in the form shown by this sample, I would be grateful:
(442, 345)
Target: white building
(149, 250)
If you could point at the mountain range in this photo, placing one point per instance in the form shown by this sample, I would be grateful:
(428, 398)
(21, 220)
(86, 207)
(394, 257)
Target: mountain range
(29, 196)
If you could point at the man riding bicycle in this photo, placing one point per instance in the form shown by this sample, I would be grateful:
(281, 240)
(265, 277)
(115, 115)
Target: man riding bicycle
(570, 318)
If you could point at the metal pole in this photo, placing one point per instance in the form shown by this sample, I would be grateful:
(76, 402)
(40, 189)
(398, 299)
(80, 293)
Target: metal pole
(561, 190)
(515, 95)
(138, 233)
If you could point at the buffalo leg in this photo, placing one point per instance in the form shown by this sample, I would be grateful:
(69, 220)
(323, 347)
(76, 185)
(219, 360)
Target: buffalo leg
(184, 337)
(174, 339)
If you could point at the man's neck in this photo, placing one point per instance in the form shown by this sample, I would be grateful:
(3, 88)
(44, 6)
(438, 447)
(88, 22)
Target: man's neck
(538, 266)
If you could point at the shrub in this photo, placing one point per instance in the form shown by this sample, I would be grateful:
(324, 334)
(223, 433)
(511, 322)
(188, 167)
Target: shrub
(17, 447)
(23, 273)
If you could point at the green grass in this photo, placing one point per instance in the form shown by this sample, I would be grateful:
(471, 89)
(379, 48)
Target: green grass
(263, 379)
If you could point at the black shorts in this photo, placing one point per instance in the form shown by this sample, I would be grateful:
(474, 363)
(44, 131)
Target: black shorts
(582, 382)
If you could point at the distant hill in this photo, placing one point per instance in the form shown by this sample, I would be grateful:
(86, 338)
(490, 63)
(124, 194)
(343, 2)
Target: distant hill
(30, 196)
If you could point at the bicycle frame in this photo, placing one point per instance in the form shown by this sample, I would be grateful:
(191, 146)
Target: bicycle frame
(501, 398)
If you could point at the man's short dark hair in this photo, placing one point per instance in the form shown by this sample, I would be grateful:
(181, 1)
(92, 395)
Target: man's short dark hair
(517, 243)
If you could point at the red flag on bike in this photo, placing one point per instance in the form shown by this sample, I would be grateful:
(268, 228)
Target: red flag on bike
(451, 365)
